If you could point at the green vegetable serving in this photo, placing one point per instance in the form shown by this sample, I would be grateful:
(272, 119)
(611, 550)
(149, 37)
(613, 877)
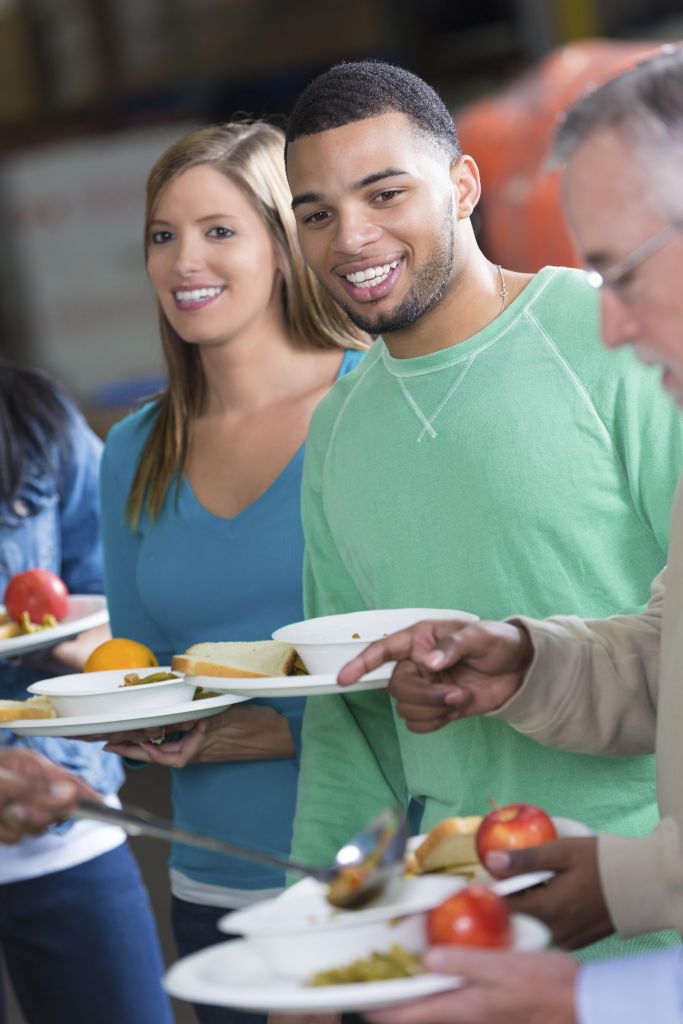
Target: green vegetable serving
(133, 679)
(397, 963)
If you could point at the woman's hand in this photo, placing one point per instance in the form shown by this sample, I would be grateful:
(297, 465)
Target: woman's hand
(135, 737)
(241, 733)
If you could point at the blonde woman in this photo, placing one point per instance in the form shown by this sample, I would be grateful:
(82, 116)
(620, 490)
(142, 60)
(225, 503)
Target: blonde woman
(200, 490)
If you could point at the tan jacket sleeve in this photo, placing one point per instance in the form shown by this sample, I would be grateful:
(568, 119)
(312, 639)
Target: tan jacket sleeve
(642, 879)
(592, 686)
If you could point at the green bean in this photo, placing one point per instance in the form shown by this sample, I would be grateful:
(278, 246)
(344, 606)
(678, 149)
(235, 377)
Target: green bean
(396, 963)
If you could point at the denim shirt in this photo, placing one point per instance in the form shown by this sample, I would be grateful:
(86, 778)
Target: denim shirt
(54, 524)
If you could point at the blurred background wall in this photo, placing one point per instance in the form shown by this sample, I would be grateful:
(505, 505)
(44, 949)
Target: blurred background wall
(91, 91)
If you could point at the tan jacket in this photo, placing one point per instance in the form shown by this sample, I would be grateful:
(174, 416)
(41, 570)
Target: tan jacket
(615, 687)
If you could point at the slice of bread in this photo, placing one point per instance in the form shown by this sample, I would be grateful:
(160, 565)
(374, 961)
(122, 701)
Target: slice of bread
(34, 707)
(257, 659)
(450, 844)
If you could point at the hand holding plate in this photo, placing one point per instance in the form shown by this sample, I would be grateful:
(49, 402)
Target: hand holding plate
(572, 903)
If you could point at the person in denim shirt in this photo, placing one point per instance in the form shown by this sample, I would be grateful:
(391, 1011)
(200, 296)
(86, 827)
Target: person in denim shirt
(75, 924)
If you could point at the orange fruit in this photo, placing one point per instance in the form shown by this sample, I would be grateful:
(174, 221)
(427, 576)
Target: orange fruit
(120, 653)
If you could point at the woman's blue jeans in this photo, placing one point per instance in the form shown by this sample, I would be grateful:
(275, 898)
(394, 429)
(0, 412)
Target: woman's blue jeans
(81, 945)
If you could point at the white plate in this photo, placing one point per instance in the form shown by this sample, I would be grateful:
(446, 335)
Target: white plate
(235, 974)
(305, 906)
(85, 612)
(92, 725)
(326, 643)
(300, 937)
(105, 693)
(295, 686)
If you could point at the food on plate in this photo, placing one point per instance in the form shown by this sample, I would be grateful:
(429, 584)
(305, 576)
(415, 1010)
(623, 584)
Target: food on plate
(10, 629)
(346, 883)
(36, 593)
(34, 707)
(344, 889)
(513, 828)
(449, 847)
(133, 679)
(396, 963)
(256, 659)
(120, 653)
(475, 916)
(201, 693)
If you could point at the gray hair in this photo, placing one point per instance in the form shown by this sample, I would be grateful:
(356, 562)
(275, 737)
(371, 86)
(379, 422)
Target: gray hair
(645, 107)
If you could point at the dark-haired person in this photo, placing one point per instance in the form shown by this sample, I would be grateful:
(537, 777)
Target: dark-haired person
(610, 686)
(488, 455)
(76, 928)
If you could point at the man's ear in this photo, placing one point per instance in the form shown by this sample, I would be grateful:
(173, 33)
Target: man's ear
(466, 185)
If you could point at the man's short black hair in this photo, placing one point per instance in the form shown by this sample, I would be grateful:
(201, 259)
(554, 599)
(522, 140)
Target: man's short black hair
(354, 90)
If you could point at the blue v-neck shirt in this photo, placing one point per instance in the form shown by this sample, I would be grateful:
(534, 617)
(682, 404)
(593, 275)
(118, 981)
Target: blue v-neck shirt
(191, 577)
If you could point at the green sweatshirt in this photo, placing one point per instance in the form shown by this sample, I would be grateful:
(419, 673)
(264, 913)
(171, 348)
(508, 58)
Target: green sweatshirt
(525, 470)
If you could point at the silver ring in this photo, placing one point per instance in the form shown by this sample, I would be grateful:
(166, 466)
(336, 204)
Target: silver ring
(161, 738)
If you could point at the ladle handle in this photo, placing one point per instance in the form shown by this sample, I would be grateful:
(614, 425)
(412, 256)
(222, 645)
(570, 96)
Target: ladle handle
(138, 822)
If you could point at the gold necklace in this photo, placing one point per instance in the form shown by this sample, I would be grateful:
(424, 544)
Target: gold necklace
(503, 289)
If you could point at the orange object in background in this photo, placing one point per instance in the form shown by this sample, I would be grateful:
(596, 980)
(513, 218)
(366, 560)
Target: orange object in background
(510, 134)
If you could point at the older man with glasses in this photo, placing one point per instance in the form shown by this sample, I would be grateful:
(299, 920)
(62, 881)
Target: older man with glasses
(610, 686)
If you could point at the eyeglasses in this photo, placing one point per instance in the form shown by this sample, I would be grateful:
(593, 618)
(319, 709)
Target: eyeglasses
(614, 277)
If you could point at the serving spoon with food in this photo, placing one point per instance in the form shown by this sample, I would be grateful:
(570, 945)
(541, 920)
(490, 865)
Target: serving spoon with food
(363, 868)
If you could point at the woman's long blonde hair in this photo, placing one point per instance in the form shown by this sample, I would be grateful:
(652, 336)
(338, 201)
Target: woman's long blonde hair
(251, 155)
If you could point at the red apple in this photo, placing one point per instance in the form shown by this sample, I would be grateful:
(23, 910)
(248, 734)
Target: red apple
(38, 592)
(513, 828)
(475, 916)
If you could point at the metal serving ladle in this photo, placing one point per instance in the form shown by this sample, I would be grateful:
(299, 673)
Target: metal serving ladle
(363, 868)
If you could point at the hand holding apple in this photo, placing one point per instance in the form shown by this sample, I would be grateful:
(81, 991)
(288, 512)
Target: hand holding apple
(475, 916)
(514, 827)
(572, 903)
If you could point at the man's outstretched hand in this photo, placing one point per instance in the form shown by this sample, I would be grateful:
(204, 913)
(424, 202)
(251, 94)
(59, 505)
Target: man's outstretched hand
(34, 793)
(448, 669)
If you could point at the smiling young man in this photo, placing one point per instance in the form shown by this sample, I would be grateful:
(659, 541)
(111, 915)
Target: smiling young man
(488, 455)
(611, 686)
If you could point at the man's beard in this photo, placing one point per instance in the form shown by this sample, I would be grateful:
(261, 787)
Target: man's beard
(430, 285)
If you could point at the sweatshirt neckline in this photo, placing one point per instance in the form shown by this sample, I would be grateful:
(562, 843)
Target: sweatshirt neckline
(469, 347)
